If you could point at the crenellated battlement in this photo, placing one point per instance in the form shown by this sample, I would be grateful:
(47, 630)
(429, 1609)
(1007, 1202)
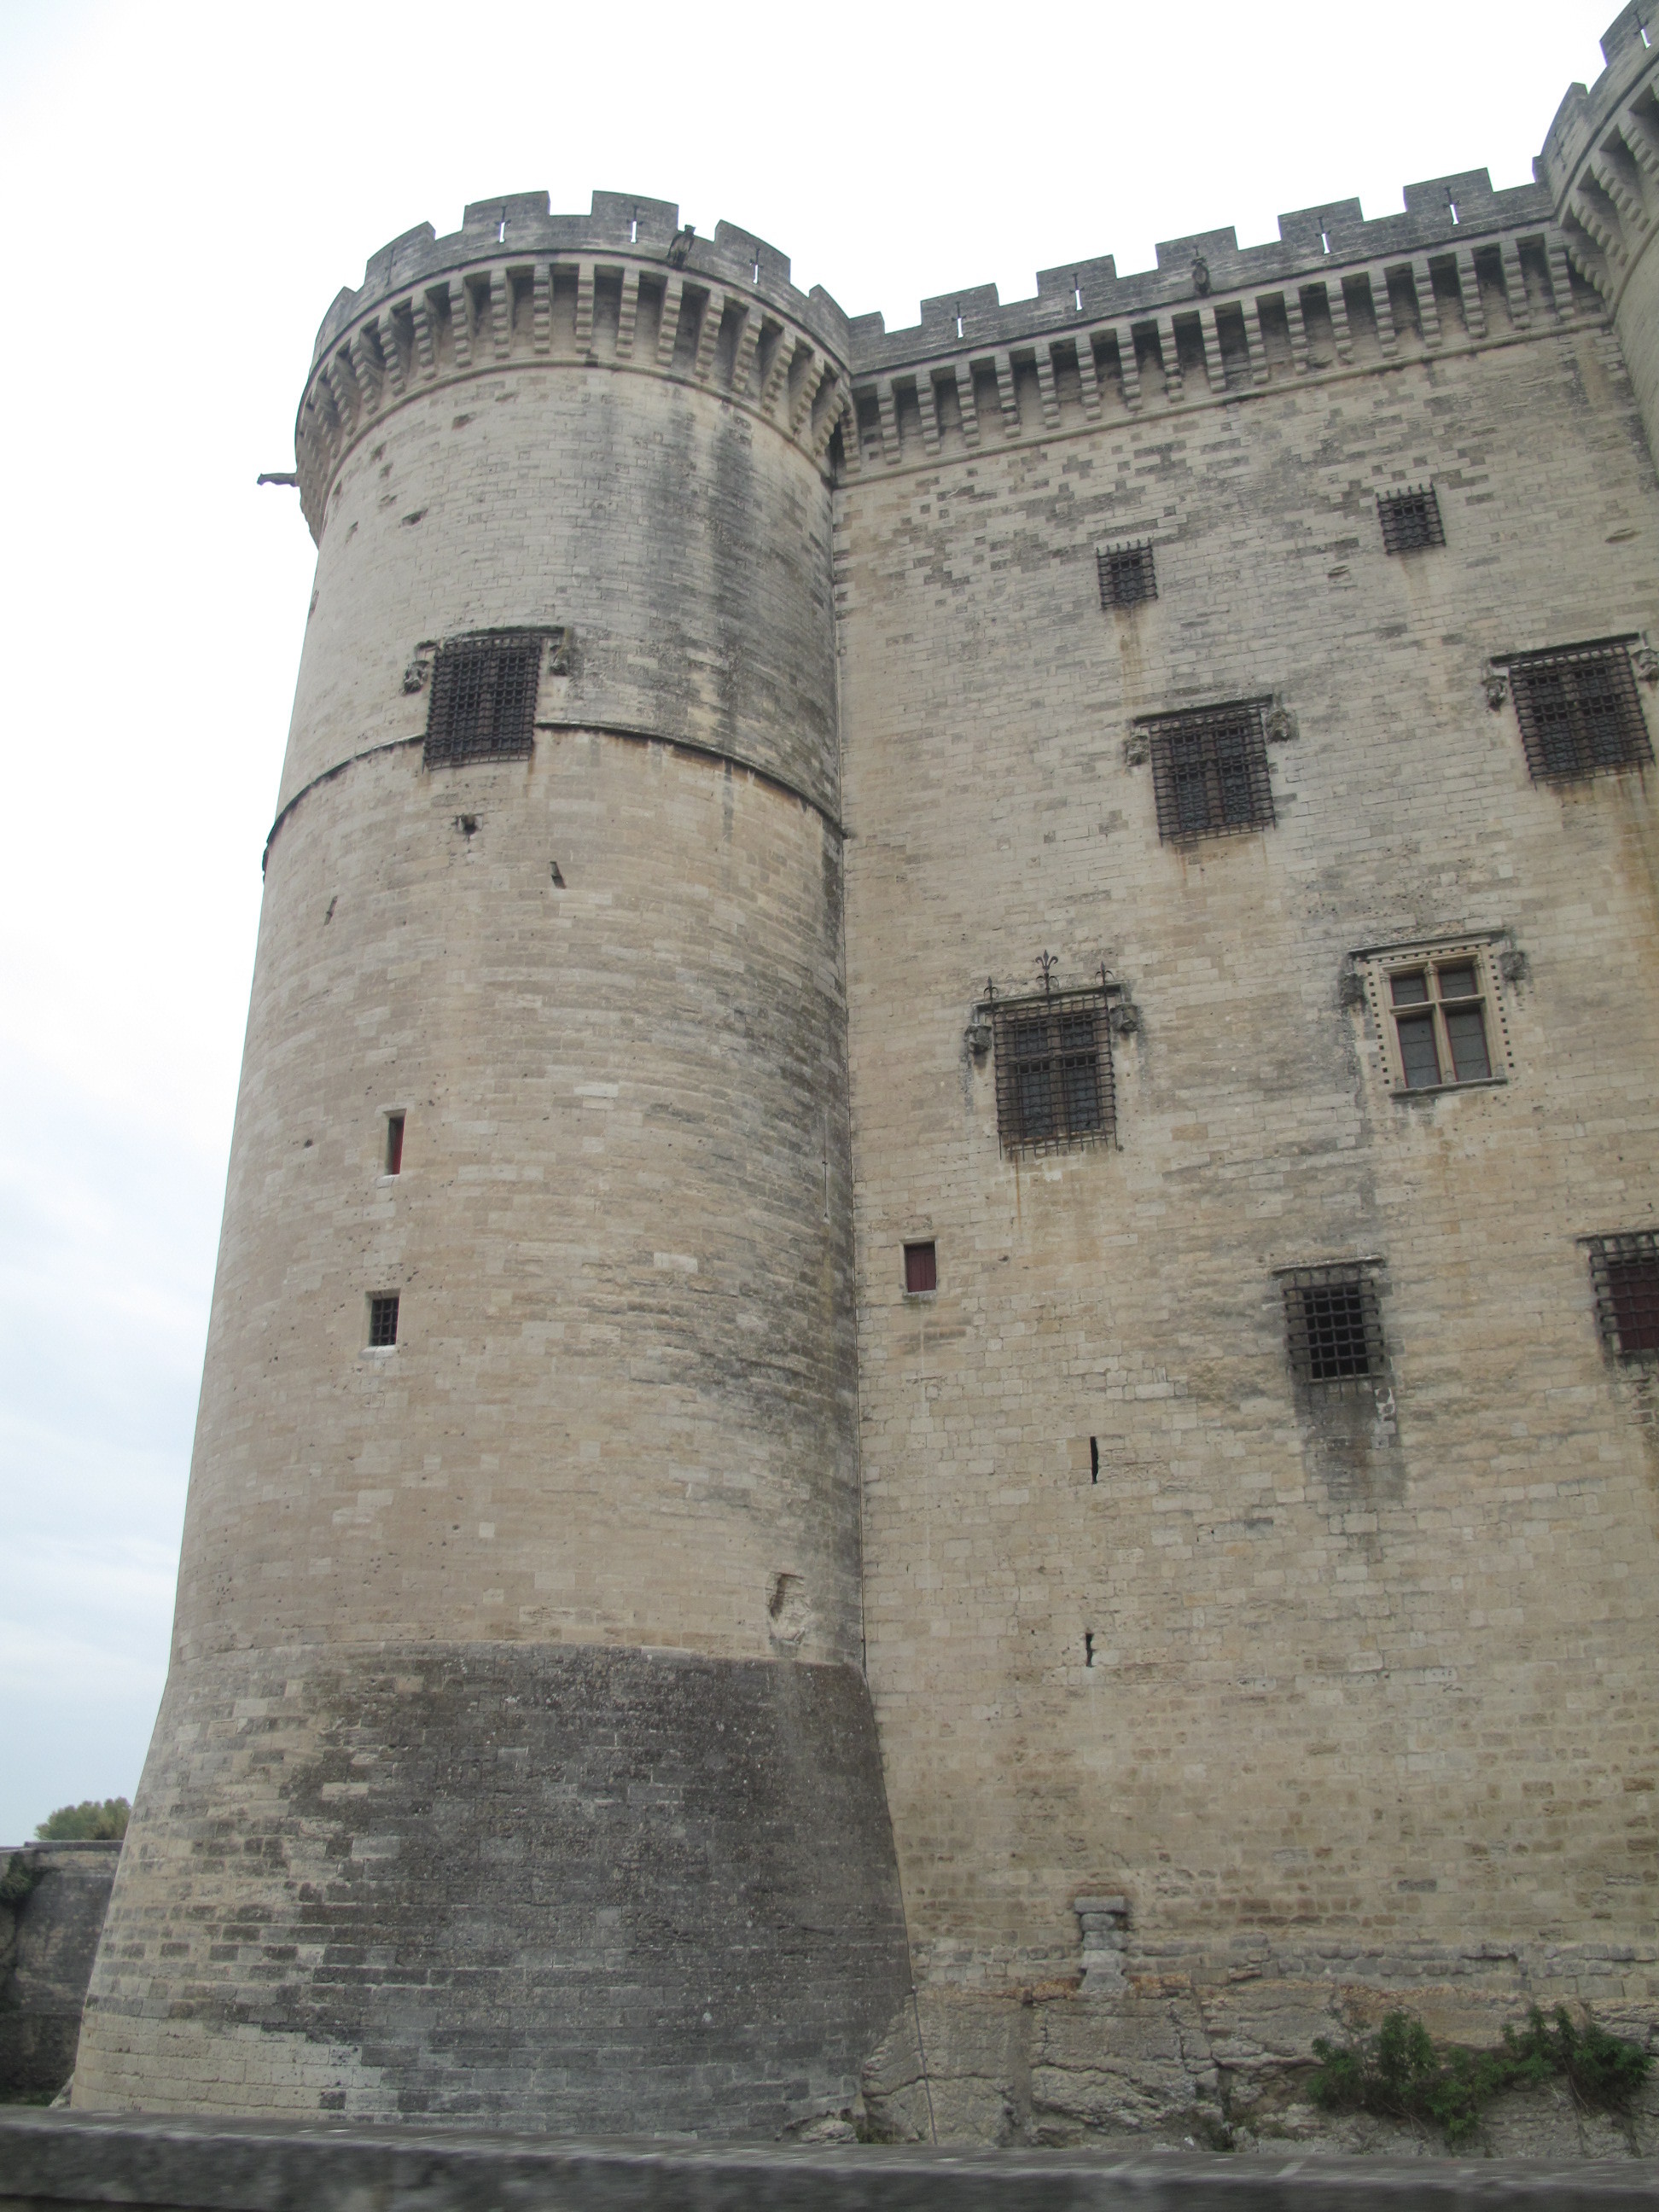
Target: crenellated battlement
(623, 289)
(1217, 344)
(1461, 263)
(1599, 165)
(520, 224)
(1452, 214)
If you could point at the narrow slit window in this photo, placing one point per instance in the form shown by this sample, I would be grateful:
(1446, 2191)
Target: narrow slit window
(1579, 711)
(383, 1321)
(1333, 1324)
(1625, 1274)
(394, 1144)
(1094, 1459)
(1210, 772)
(921, 1269)
(1410, 519)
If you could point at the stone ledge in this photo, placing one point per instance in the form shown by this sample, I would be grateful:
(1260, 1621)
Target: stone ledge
(72, 2159)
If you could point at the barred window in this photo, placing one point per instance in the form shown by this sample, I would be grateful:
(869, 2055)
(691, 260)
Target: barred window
(1128, 575)
(1410, 519)
(482, 702)
(1210, 772)
(382, 1322)
(1625, 1272)
(1054, 1067)
(1579, 711)
(1333, 1323)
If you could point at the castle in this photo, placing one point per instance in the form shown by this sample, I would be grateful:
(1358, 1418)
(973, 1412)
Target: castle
(932, 1369)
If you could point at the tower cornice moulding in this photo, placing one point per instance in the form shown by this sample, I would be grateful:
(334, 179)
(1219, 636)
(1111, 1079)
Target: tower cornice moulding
(624, 289)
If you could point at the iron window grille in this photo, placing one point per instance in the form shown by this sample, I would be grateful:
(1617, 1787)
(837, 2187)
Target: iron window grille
(1333, 1324)
(1579, 711)
(481, 705)
(382, 1322)
(1128, 575)
(1054, 1071)
(1210, 772)
(1410, 519)
(1625, 1273)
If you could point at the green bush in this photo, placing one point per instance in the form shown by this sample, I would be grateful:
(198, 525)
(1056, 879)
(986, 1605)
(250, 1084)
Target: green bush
(1401, 2073)
(18, 1880)
(88, 1822)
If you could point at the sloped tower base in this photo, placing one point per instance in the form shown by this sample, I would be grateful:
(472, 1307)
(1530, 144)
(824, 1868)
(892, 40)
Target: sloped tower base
(576, 1888)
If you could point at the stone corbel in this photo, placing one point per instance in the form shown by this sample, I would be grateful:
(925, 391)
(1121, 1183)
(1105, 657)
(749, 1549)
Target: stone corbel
(1279, 725)
(1645, 661)
(1496, 683)
(1137, 750)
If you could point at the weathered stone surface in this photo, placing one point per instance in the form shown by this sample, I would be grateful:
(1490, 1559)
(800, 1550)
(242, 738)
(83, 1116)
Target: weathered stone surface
(559, 1887)
(48, 1938)
(1216, 1711)
(1351, 1701)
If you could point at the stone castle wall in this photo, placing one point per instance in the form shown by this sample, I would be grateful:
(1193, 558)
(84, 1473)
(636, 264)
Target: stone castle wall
(518, 1689)
(490, 1636)
(1340, 1699)
(49, 1930)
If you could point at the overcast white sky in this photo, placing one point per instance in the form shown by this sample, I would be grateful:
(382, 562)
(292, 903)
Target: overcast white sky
(187, 187)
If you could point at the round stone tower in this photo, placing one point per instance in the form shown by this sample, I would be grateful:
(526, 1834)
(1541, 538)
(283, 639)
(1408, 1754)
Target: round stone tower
(1601, 164)
(516, 1761)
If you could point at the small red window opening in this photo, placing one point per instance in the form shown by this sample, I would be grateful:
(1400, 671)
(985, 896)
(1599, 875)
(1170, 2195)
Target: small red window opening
(920, 1268)
(394, 1144)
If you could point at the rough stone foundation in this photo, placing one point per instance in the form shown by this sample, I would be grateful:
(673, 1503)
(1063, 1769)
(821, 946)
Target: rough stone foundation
(558, 1888)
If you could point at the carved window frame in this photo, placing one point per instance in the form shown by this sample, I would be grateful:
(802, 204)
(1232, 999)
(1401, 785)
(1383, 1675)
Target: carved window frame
(1379, 965)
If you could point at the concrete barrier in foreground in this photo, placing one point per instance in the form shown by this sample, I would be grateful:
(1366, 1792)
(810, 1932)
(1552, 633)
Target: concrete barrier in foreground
(74, 2159)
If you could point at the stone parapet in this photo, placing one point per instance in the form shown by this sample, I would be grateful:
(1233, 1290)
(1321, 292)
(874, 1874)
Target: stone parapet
(623, 287)
(1158, 345)
(1600, 159)
(1451, 215)
(64, 2161)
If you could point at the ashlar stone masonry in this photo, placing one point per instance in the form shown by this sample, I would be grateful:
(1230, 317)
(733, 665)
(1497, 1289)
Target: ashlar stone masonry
(986, 1450)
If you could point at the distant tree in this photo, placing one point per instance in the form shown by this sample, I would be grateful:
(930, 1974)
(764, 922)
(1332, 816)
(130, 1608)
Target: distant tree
(88, 1822)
